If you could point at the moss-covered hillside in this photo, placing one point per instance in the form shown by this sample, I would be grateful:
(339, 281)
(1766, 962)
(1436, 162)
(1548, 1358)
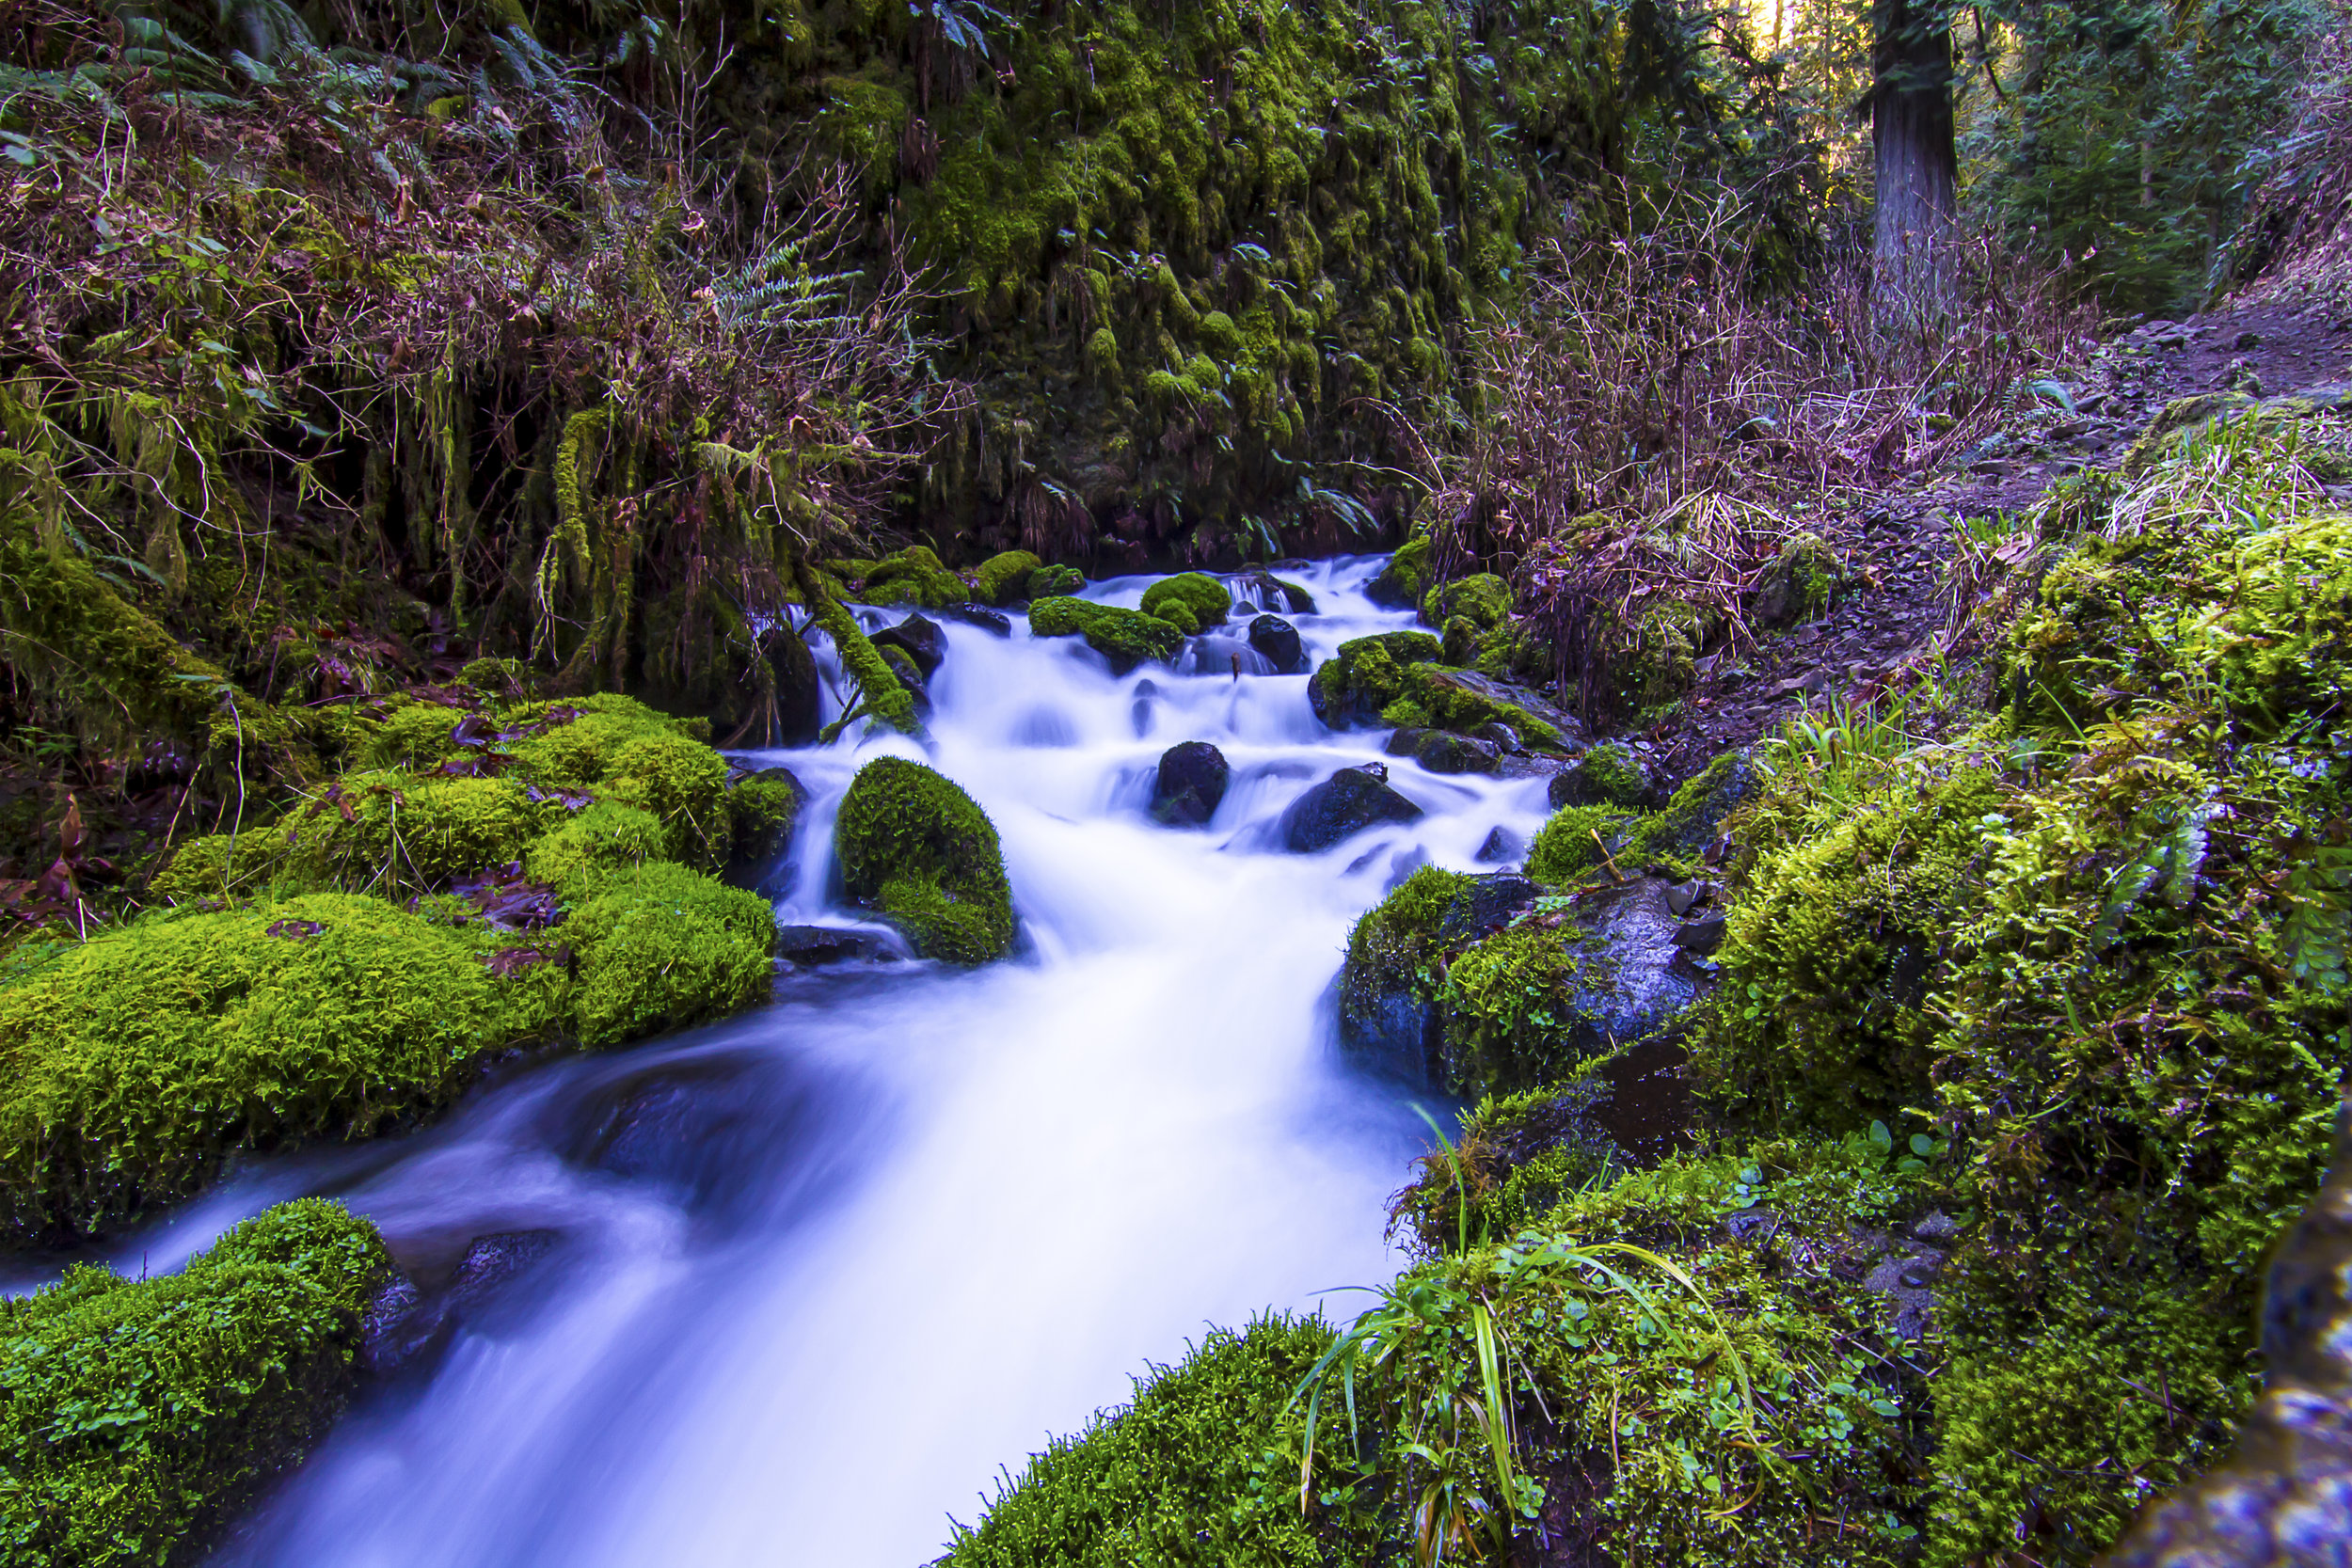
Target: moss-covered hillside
(2014, 1056)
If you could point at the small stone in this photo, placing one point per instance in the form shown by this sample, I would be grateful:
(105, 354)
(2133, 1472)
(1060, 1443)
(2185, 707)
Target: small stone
(1700, 937)
(1404, 742)
(1680, 897)
(1441, 753)
(920, 639)
(1935, 1225)
(1502, 736)
(1191, 782)
(1916, 1277)
(1502, 845)
(1277, 641)
(2245, 340)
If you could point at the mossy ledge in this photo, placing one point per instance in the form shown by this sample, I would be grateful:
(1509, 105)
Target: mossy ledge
(142, 1414)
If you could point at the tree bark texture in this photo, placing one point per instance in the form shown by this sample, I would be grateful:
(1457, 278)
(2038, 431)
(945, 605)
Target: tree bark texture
(1915, 256)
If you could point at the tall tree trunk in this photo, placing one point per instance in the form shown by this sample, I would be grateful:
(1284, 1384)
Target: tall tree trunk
(1915, 255)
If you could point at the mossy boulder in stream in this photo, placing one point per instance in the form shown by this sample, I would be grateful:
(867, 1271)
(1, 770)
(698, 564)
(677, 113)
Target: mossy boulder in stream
(142, 1414)
(915, 847)
(1202, 596)
(1125, 637)
(1349, 688)
(1004, 579)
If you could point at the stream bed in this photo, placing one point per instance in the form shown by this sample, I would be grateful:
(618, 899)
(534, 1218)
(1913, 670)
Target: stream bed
(809, 1284)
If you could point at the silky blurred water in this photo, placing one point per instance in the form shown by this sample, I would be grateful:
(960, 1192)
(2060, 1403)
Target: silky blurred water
(824, 1269)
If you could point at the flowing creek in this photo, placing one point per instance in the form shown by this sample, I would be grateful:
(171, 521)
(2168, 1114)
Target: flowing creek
(798, 1285)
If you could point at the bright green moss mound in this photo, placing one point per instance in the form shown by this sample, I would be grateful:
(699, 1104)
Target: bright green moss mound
(1671, 839)
(1483, 601)
(136, 1063)
(1367, 673)
(604, 837)
(914, 575)
(920, 850)
(661, 947)
(1200, 594)
(141, 1416)
(1196, 1470)
(1049, 581)
(1404, 581)
(1004, 579)
(1125, 637)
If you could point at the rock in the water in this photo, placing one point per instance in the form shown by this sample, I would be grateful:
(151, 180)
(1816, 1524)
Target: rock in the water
(813, 945)
(799, 709)
(1344, 804)
(408, 1327)
(1192, 781)
(1141, 712)
(1502, 736)
(1351, 687)
(1611, 774)
(1278, 640)
(1404, 743)
(919, 636)
(994, 622)
(1501, 846)
(1441, 753)
(1275, 594)
(1465, 700)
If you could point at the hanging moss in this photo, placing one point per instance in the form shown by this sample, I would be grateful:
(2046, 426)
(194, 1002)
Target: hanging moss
(918, 849)
(144, 1413)
(914, 577)
(881, 696)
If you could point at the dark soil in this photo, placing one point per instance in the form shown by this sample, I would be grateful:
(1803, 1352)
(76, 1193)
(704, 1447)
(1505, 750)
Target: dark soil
(1897, 617)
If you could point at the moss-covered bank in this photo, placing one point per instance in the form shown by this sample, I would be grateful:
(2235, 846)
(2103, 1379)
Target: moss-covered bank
(140, 1414)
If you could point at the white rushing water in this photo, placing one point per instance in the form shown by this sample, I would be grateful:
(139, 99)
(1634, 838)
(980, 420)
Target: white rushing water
(823, 1268)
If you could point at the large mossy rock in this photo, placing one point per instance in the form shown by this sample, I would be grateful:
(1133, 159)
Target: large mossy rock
(917, 849)
(914, 575)
(1204, 600)
(1125, 637)
(1469, 985)
(142, 1415)
(1366, 674)
(1402, 582)
(1004, 579)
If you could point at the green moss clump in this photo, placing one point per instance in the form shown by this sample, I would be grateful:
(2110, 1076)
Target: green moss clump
(1178, 614)
(1352, 687)
(604, 837)
(1447, 699)
(142, 1415)
(1800, 583)
(659, 946)
(1483, 601)
(1396, 945)
(681, 783)
(410, 735)
(138, 1062)
(1003, 579)
(914, 575)
(1194, 1470)
(1125, 637)
(1050, 581)
(1404, 581)
(1829, 952)
(1198, 591)
(920, 850)
(1565, 850)
(1611, 775)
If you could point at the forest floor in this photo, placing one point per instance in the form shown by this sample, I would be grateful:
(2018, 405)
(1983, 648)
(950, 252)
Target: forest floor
(1899, 619)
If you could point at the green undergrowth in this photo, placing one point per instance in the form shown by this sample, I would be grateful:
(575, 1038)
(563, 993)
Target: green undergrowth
(1578, 842)
(2095, 945)
(916, 848)
(1202, 1468)
(140, 1414)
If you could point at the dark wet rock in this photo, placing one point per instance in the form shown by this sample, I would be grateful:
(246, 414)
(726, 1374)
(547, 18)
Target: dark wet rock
(1344, 804)
(1275, 594)
(1404, 742)
(1441, 753)
(1367, 673)
(799, 703)
(1502, 845)
(812, 947)
(920, 639)
(1611, 774)
(1489, 903)
(994, 622)
(1277, 641)
(1385, 1027)
(1502, 736)
(1680, 897)
(757, 855)
(1701, 936)
(1142, 713)
(1192, 779)
(408, 1324)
